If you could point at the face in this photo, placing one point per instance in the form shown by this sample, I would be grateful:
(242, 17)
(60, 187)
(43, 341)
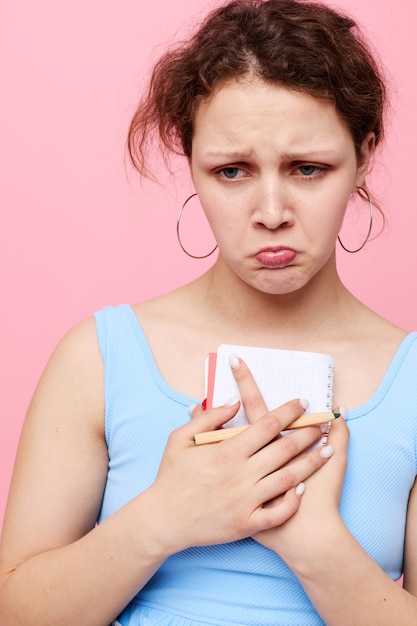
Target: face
(274, 170)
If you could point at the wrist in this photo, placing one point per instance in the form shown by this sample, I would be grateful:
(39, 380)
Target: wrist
(146, 529)
(314, 550)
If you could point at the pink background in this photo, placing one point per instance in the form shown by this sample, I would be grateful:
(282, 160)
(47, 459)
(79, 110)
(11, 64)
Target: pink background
(77, 232)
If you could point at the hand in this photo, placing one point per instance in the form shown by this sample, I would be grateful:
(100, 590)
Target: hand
(318, 512)
(319, 505)
(216, 493)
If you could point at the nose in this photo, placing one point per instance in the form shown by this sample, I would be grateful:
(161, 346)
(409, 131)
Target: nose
(272, 207)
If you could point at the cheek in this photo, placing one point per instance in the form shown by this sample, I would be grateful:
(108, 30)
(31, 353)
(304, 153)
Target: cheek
(321, 227)
(330, 211)
(224, 217)
(330, 221)
(228, 231)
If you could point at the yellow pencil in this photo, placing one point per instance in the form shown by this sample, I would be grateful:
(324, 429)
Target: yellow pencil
(312, 419)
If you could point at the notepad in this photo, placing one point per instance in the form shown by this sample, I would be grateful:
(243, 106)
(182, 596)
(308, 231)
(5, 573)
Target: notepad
(281, 375)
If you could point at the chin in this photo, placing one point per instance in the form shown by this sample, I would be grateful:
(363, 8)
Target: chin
(279, 290)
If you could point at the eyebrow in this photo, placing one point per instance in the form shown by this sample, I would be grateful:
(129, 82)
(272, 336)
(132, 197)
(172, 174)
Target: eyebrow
(299, 155)
(313, 155)
(234, 155)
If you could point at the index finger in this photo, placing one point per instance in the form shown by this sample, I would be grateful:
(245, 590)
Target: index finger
(267, 428)
(251, 397)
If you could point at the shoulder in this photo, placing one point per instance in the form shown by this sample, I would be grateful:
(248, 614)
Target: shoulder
(182, 308)
(62, 451)
(78, 350)
(364, 350)
(378, 339)
(371, 328)
(172, 302)
(74, 375)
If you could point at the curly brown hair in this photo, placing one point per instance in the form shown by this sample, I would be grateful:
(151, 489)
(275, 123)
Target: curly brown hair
(305, 46)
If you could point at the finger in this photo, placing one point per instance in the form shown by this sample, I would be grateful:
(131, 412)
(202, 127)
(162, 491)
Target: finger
(278, 512)
(203, 421)
(267, 428)
(339, 432)
(252, 399)
(292, 474)
(338, 439)
(285, 449)
(298, 490)
(195, 409)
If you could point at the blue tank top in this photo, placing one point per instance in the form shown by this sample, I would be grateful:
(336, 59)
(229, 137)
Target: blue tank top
(243, 582)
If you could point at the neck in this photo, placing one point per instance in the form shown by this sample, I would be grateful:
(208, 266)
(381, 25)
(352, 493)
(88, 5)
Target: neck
(297, 316)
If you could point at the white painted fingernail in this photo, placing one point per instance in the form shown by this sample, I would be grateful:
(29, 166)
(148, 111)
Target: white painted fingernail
(191, 408)
(300, 488)
(342, 412)
(326, 452)
(234, 361)
(304, 403)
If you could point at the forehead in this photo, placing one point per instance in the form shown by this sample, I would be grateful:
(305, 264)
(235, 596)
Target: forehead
(251, 111)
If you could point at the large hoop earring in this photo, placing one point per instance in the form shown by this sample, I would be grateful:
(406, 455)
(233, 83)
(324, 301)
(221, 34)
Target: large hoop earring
(371, 219)
(193, 256)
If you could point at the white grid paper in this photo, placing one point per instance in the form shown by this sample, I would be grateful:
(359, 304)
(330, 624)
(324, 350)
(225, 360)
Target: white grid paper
(281, 375)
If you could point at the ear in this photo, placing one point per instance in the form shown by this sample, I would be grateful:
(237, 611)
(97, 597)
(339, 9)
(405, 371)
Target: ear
(366, 152)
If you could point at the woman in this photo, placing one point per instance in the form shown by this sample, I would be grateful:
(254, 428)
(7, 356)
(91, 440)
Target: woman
(278, 107)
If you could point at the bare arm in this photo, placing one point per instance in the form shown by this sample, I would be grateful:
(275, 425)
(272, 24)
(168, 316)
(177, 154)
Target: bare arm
(344, 584)
(56, 566)
(54, 563)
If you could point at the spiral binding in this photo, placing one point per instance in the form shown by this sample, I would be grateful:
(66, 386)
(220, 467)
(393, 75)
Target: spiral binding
(330, 384)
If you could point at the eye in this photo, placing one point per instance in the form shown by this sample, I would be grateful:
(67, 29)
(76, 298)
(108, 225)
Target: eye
(231, 173)
(310, 171)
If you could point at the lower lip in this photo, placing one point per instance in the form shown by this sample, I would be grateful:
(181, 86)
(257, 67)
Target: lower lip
(276, 259)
